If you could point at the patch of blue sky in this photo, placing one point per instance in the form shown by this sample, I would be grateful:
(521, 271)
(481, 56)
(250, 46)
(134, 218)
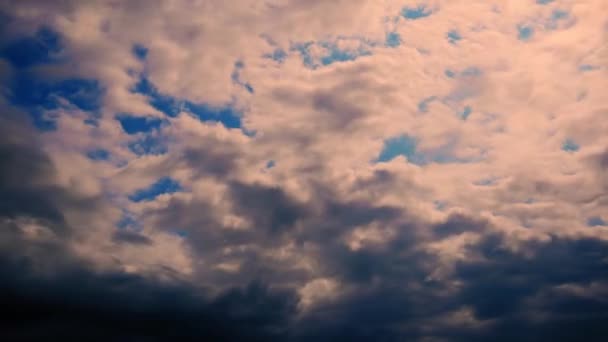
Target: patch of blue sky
(304, 50)
(43, 47)
(423, 106)
(28, 90)
(393, 39)
(148, 145)
(454, 36)
(43, 120)
(98, 154)
(83, 93)
(140, 51)
(171, 106)
(165, 185)
(465, 112)
(407, 146)
(335, 54)
(227, 115)
(402, 145)
(129, 221)
(250, 133)
(524, 32)
(163, 103)
(556, 16)
(278, 55)
(596, 221)
(37, 97)
(559, 14)
(248, 87)
(138, 124)
(570, 145)
(417, 12)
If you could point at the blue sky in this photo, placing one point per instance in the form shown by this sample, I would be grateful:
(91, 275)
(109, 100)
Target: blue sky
(164, 185)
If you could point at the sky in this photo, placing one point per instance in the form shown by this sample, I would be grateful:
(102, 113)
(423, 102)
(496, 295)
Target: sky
(304, 170)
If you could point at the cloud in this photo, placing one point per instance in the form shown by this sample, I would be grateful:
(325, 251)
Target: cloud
(295, 170)
(114, 305)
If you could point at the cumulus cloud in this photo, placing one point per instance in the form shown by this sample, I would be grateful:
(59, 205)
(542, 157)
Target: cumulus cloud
(304, 170)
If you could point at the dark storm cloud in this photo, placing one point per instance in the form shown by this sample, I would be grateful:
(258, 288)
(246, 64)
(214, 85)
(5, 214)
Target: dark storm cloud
(505, 279)
(79, 304)
(513, 297)
(518, 291)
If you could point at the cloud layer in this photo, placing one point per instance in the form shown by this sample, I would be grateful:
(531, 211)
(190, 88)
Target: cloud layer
(304, 170)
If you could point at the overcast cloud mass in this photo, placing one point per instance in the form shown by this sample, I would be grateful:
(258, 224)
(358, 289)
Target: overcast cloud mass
(304, 170)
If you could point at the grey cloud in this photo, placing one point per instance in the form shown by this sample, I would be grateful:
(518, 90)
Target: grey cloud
(457, 224)
(269, 208)
(340, 113)
(24, 174)
(76, 303)
(385, 290)
(125, 236)
(210, 160)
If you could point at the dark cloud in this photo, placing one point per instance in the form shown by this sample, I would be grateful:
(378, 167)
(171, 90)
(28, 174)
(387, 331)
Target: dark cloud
(54, 294)
(514, 288)
(270, 208)
(338, 112)
(513, 296)
(603, 160)
(24, 174)
(28, 185)
(218, 162)
(386, 293)
(80, 304)
(126, 236)
(457, 224)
